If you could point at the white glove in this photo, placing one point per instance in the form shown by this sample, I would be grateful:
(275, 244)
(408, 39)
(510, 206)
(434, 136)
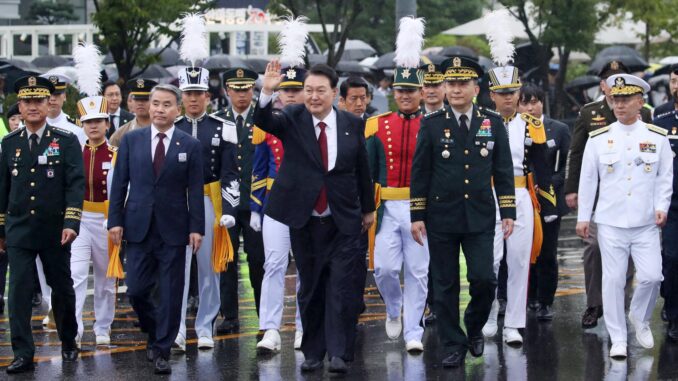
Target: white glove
(106, 224)
(227, 221)
(255, 221)
(550, 218)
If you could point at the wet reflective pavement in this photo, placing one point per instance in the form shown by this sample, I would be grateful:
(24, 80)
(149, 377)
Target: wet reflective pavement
(559, 350)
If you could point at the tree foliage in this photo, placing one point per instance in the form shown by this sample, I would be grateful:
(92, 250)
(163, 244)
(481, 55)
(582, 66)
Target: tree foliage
(129, 27)
(51, 12)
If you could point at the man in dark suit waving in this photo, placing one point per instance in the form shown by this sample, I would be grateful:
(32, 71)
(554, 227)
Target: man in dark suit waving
(163, 212)
(324, 193)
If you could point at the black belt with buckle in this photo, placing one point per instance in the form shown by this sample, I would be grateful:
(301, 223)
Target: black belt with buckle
(322, 220)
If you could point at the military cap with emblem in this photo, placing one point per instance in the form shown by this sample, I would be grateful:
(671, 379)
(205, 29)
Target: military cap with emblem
(140, 88)
(626, 84)
(194, 48)
(13, 110)
(88, 60)
(504, 78)
(408, 54)
(461, 68)
(240, 78)
(433, 74)
(59, 81)
(32, 86)
(292, 46)
(611, 68)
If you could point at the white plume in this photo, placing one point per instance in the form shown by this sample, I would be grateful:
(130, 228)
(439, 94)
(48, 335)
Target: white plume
(88, 67)
(500, 37)
(292, 41)
(409, 42)
(194, 45)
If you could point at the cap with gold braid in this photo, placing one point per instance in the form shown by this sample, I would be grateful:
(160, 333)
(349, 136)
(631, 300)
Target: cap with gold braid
(626, 84)
(409, 43)
(33, 87)
(59, 81)
(611, 68)
(240, 78)
(432, 74)
(504, 78)
(141, 88)
(461, 68)
(293, 78)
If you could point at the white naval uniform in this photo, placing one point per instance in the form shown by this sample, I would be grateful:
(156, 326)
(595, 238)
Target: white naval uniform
(396, 249)
(91, 244)
(62, 122)
(276, 237)
(519, 243)
(634, 166)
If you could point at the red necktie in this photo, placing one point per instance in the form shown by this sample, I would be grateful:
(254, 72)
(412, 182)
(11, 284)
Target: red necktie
(321, 202)
(159, 157)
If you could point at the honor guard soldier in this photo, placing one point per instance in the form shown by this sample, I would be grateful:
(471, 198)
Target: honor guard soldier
(628, 164)
(41, 189)
(391, 139)
(527, 138)
(460, 151)
(268, 156)
(139, 90)
(239, 83)
(222, 196)
(433, 89)
(98, 158)
(666, 116)
(591, 117)
(56, 116)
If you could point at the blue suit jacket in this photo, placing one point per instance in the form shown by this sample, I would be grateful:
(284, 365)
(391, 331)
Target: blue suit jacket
(174, 198)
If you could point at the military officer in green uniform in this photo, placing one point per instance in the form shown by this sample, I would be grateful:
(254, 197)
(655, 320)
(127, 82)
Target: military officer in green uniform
(461, 152)
(239, 83)
(591, 117)
(41, 191)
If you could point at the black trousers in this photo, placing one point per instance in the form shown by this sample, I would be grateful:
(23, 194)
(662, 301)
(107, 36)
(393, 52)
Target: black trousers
(332, 271)
(57, 265)
(444, 251)
(4, 261)
(544, 273)
(153, 263)
(670, 266)
(254, 248)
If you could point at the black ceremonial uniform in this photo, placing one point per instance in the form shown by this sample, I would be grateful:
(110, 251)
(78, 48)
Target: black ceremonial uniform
(451, 191)
(41, 193)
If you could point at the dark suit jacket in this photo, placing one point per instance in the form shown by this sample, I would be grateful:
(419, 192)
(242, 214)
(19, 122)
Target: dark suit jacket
(125, 117)
(559, 133)
(350, 191)
(174, 198)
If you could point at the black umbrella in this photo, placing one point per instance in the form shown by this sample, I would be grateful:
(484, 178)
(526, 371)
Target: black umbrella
(436, 58)
(223, 62)
(666, 69)
(6, 64)
(628, 56)
(385, 62)
(345, 68)
(168, 57)
(153, 71)
(451, 51)
(486, 63)
(257, 64)
(51, 61)
(582, 83)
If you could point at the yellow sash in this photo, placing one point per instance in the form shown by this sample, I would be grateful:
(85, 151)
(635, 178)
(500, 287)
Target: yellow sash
(372, 233)
(222, 249)
(538, 235)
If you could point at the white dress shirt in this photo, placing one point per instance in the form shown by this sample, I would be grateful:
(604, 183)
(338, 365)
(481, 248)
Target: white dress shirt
(61, 122)
(244, 114)
(517, 141)
(634, 166)
(39, 132)
(468, 113)
(115, 118)
(155, 139)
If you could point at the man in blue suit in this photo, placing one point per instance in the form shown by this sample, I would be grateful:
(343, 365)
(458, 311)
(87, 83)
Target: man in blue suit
(161, 214)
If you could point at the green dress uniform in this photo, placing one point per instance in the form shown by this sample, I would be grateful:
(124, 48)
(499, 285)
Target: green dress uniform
(451, 191)
(41, 193)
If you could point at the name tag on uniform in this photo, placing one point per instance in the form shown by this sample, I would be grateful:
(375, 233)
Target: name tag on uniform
(182, 157)
(490, 144)
(106, 165)
(215, 142)
(528, 142)
(551, 143)
(42, 159)
(638, 161)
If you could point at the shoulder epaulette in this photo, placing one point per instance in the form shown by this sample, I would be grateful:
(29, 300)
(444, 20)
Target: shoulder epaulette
(534, 128)
(217, 118)
(14, 133)
(658, 130)
(178, 119)
(434, 113)
(62, 131)
(68, 118)
(599, 131)
(590, 104)
(372, 124)
(258, 135)
(665, 114)
(489, 111)
(112, 148)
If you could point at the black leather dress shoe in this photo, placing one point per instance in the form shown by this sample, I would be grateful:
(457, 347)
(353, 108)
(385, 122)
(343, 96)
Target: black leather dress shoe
(337, 365)
(69, 355)
(430, 318)
(591, 316)
(2, 305)
(228, 326)
(162, 366)
(672, 331)
(37, 299)
(20, 365)
(544, 313)
(311, 365)
(455, 360)
(476, 346)
(149, 355)
(532, 305)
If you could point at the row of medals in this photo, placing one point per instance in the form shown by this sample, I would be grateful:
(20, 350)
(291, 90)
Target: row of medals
(446, 154)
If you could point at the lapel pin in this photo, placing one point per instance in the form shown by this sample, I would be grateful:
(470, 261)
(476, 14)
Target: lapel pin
(347, 133)
(178, 143)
